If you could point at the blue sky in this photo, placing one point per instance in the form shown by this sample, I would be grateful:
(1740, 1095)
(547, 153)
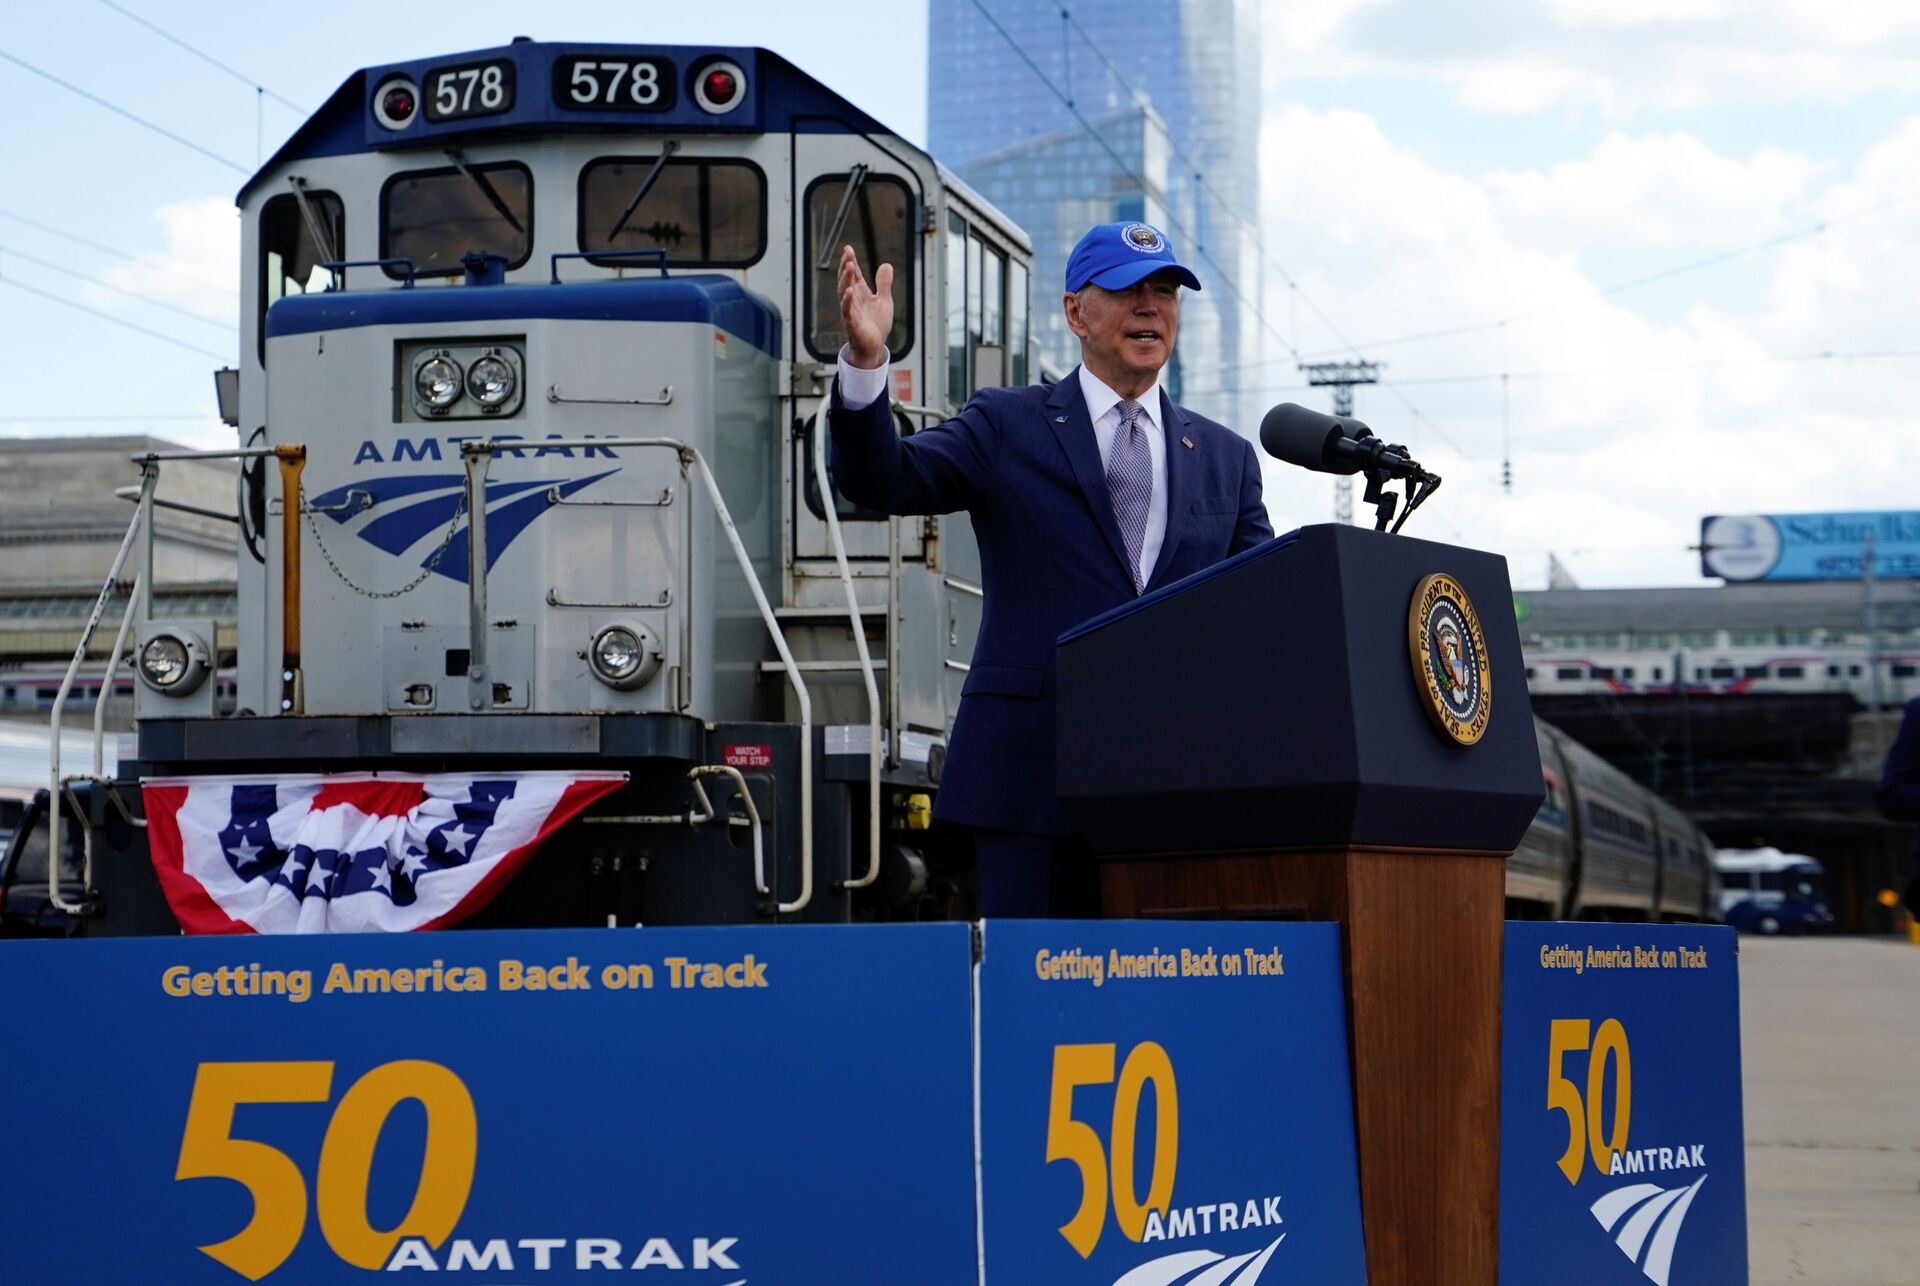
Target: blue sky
(1424, 166)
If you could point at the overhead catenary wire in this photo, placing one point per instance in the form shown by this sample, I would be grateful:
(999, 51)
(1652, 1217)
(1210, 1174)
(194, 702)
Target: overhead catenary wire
(116, 252)
(203, 56)
(118, 110)
(1649, 368)
(162, 336)
(188, 313)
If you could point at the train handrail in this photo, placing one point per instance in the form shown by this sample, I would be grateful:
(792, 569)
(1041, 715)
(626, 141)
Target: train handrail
(553, 264)
(56, 821)
(140, 604)
(707, 813)
(340, 267)
(476, 455)
(858, 626)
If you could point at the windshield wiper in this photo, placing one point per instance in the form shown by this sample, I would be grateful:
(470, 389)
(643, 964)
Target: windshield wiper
(486, 189)
(667, 149)
(855, 177)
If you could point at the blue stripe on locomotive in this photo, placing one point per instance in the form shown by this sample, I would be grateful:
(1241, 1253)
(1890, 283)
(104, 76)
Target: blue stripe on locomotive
(713, 300)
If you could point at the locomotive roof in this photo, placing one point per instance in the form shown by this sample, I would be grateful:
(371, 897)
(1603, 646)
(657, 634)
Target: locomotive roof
(781, 98)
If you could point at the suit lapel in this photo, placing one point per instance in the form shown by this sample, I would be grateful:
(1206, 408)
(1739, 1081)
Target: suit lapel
(1067, 416)
(1180, 467)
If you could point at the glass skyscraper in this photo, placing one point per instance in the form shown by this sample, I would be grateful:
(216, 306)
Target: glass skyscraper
(1172, 89)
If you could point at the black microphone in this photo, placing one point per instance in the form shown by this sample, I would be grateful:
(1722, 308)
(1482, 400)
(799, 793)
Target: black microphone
(1330, 443)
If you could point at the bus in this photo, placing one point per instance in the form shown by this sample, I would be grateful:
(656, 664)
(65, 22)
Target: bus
(1764, 890)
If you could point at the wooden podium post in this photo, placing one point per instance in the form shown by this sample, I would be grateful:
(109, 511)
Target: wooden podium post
(1282, 765)
(1420, 933)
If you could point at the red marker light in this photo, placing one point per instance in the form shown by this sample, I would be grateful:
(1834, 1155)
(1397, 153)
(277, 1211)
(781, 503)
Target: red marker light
(720, 87)
(397, 104)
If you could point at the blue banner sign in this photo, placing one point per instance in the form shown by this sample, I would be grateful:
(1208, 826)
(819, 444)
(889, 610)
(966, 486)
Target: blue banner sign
(1166, 1103)
(1622, 1158)
(790, 1105)
(1742, 547)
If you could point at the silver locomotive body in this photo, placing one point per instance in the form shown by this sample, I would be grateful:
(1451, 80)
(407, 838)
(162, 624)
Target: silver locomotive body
(527, 401)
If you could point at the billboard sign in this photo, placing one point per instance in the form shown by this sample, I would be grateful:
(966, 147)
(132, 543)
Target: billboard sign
(1631, 1168)
(1166, 1102)
(1819, 546)
(729, 1105)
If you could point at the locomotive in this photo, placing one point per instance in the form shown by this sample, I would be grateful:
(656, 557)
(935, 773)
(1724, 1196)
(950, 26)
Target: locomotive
(535, 348)
(535, 342)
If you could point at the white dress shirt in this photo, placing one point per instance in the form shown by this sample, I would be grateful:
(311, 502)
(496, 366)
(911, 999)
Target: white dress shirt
(860, 386)
(1103, 408)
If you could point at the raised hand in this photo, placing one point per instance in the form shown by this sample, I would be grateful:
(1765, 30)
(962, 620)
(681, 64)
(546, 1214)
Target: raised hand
(866, 315)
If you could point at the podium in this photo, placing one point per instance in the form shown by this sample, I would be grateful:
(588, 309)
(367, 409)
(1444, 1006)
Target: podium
(1258, 741)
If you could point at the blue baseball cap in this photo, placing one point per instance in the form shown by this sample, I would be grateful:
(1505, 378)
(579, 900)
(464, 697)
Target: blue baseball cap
(1115, 255)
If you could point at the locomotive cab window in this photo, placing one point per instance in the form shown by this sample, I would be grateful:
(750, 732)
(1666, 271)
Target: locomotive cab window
(874, 215)
(702, 213)
(290, 256)
(434, 216)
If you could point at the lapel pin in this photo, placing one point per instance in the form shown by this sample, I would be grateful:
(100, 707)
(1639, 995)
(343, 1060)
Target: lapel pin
(1059, 419)
(1187, 443)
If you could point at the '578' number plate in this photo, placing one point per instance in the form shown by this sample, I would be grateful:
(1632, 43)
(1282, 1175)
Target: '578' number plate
(604, 83)
(471, 89)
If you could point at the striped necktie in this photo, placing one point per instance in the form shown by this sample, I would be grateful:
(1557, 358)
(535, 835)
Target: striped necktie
(1130, 482)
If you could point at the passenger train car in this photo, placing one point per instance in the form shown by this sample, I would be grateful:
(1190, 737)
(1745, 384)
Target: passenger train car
(1727, 671)
(535, 346)
(1603, 847)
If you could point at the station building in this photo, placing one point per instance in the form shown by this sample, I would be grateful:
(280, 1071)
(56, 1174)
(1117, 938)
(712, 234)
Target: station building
(61, 524)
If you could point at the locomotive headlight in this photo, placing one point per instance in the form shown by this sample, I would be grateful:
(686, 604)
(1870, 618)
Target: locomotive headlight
(624, 656)
(490, 381)
(163, 661)
(174, 664)
(437, 382)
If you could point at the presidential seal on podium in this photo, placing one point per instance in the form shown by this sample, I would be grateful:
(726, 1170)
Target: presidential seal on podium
(1449, 655)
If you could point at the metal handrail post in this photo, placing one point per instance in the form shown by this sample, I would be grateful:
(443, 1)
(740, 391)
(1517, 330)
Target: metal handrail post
(56, 821)
(100, 714)
(106, 681)
(293, 459)
(793, 677)
(831, 511)
(479, 687)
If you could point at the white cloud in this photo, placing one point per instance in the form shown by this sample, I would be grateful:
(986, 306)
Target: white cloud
(197, 268)
(1626, 425)
(1618, 58)
(1657, 191)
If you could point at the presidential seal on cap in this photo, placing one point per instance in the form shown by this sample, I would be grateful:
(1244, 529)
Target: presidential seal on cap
(1449, 655)
(1113, 256)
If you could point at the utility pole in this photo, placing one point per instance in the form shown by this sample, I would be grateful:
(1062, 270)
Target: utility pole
(1341, 377)
(1867, 571)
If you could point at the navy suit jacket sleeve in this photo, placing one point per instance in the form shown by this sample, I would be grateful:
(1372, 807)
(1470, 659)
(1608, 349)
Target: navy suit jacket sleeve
(938, 470)
(1252, 527)
(1900, 781)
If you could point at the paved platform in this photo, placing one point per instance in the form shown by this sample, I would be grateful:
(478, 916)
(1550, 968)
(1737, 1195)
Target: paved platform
(1831, 1047)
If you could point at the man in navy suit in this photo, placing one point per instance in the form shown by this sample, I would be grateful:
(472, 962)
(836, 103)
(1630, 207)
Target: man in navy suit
(1083, 495)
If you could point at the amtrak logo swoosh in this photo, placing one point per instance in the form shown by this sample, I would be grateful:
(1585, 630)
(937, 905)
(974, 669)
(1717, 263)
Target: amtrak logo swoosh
(1208, 1268)
(1647, 1236)
(409, 510)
